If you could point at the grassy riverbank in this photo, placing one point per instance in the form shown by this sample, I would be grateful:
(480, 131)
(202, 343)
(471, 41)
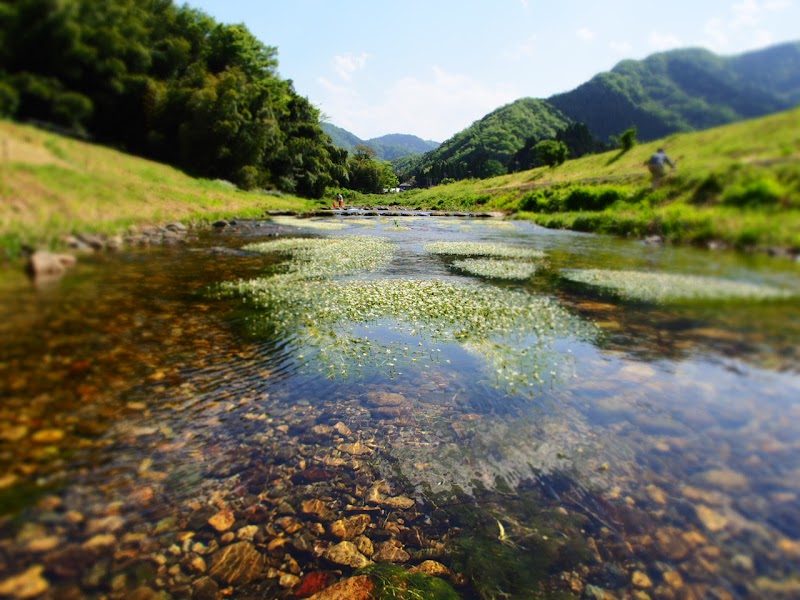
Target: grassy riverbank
(738, 184)
(51, 185)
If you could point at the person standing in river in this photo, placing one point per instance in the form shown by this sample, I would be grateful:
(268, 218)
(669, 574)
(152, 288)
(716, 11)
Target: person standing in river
(657, 165)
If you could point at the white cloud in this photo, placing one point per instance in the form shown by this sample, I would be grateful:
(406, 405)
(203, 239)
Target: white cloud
(664, 41)
(624, 48)
(523, 50)
(776, 5)
(749, 13)
(746, 13)
(435, 106)
(347, 64)
(762, 38)
(585, 34)
(743, 27)
(716, 33)
(335, 89)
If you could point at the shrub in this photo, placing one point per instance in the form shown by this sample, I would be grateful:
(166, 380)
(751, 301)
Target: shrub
(628, 139)
(708, 191)
(591, 198)
(9, 99)
(755, 193)
(247, 177)
(551, 152)
(535, 201)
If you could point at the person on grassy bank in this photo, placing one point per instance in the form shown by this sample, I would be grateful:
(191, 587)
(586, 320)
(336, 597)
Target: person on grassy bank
(657, 164)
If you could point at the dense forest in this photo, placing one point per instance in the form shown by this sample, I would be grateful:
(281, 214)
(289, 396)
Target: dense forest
(491, 146)
(166, 82)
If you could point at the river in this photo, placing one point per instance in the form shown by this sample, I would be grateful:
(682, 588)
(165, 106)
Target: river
(261, 411)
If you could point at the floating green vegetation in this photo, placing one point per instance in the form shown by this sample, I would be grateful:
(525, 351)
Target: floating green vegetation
(395, 583)
(482, 249)
(661, 287)
(497, 224)
(359, 221)
(322, 225)
(332, 319)
(496, 269)
(515, 333)
(321, 257)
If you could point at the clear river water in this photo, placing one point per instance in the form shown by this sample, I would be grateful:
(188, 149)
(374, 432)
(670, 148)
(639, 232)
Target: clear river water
(267, 408)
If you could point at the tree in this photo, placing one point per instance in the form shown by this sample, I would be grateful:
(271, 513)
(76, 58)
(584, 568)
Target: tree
(368, 175)
(551, 152)
(166, 82)
(627, 139)
(579, 140)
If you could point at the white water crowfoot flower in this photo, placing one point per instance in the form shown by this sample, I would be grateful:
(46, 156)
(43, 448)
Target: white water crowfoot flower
(509, 329)
(482, 249)
(326, 257)
(496, 269)
(321, 225)
(663, 287)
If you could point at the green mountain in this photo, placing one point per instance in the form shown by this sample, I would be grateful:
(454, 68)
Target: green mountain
(681, 90)
(396, 145)
(341, 137)
(388, 147)
(684, 90)
(485, 148)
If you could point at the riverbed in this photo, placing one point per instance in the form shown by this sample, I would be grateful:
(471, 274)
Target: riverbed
(269, 407)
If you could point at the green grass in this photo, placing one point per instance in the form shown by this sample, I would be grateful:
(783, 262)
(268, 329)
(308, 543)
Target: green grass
(52, 185)
(739, 184)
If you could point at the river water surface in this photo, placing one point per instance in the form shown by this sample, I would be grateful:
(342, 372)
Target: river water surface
(218, 420)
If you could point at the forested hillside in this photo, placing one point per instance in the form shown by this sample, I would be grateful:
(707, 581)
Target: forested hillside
(684, 90)
(485, 148)
(680, 90)
(166, 82)
(387, 147)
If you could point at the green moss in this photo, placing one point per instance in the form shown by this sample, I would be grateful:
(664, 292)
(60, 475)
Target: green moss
(496, 570)
(396, 583)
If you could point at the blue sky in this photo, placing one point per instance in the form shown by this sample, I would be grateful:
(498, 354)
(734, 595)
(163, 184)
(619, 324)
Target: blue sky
(432, 67)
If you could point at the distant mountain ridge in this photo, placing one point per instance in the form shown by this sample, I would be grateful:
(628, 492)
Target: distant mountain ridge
(683, 90)
(388, 147)
(679, 90)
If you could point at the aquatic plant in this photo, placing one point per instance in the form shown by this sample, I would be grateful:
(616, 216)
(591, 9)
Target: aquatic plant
(511, 330)
(323, 225)
(496, 269)
(331, 318)
(393, 582)
(482, 249)
(497, 224)
(359, 221)
(321, 257)
(661, 287)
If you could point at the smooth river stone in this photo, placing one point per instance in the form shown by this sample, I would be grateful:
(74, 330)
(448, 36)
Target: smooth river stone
(237, 564)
